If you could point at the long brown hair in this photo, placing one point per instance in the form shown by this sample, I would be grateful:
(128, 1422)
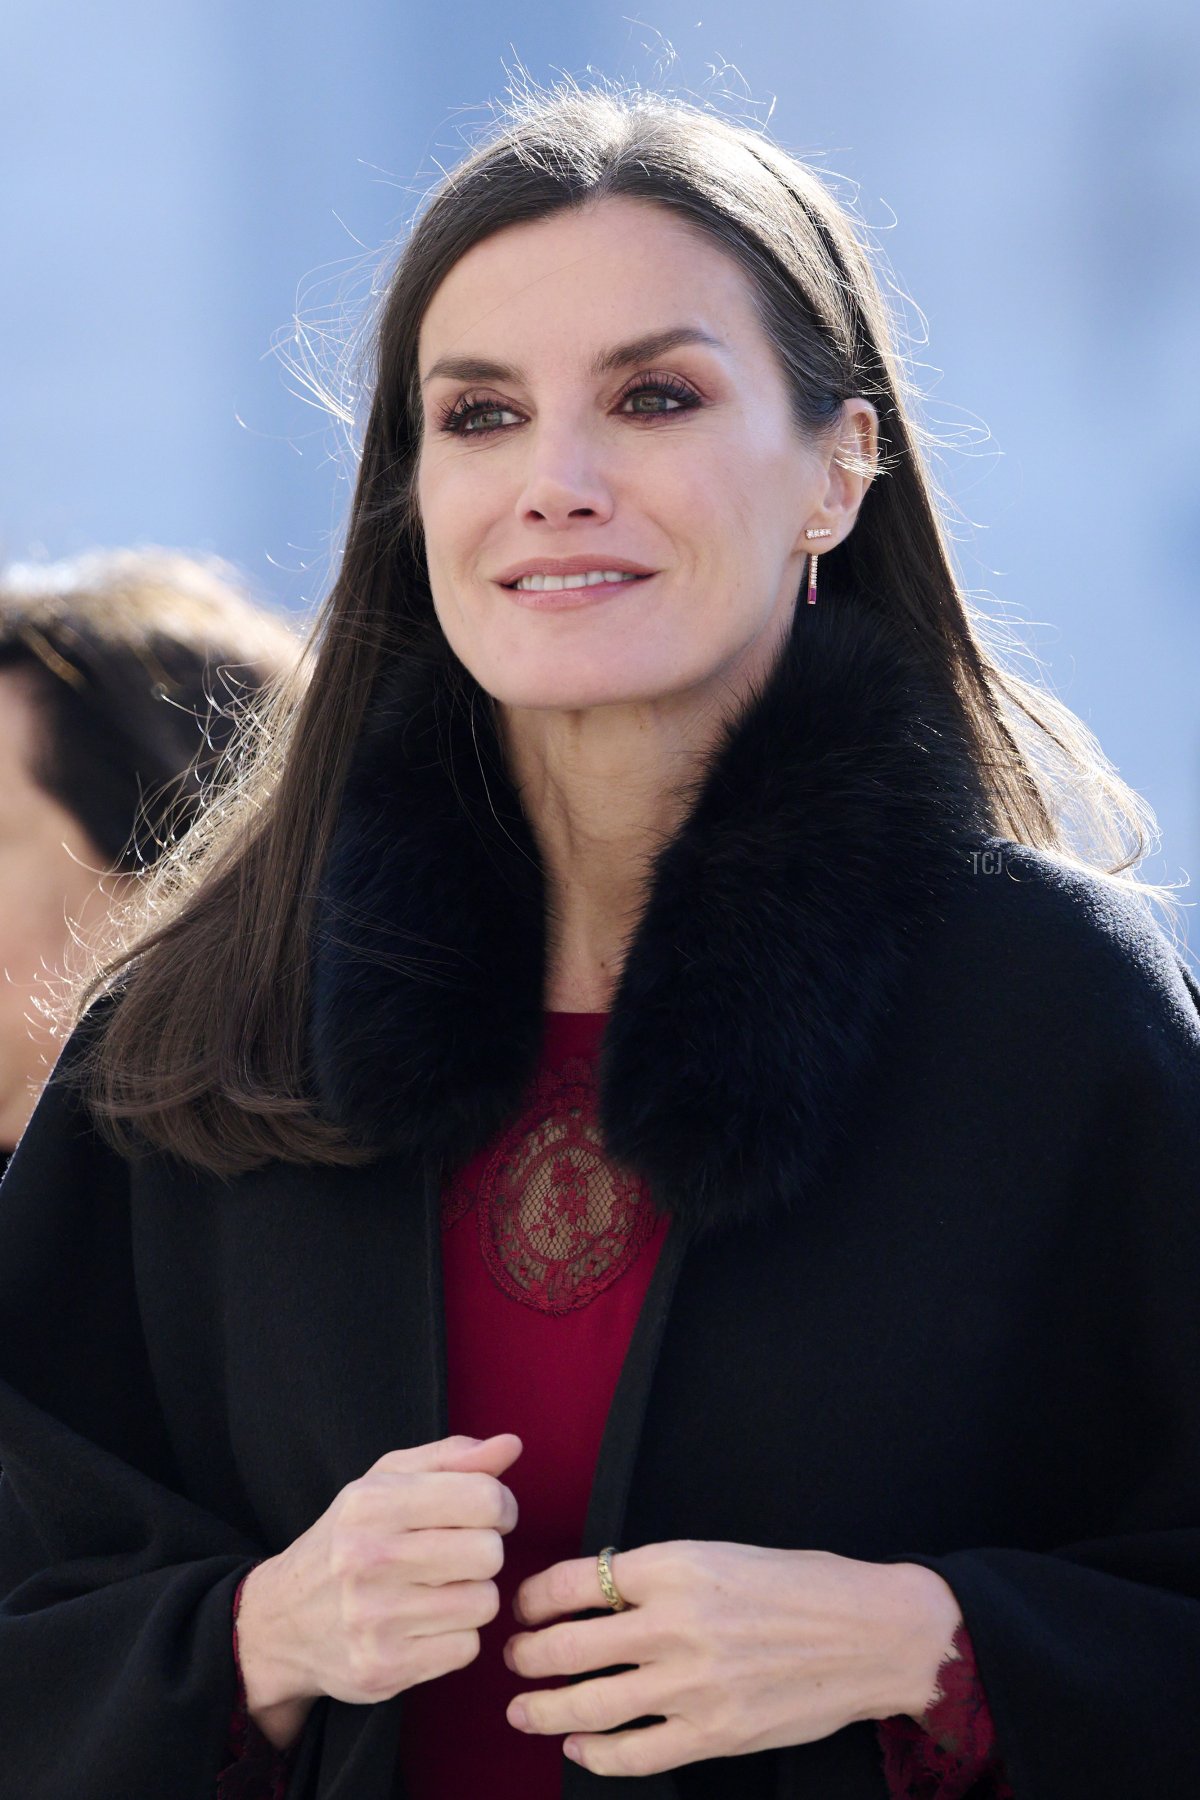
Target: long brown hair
(206, 1053)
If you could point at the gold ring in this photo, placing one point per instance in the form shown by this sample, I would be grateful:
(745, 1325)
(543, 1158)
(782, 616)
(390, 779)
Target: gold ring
(608, 1586)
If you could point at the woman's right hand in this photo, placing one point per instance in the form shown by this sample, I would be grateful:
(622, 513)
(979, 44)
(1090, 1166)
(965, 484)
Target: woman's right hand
(389, 1587)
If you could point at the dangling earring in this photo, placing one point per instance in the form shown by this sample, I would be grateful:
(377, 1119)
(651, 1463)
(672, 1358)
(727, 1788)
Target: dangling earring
(812, 565)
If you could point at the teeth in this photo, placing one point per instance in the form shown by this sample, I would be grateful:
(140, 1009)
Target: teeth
(538, 584)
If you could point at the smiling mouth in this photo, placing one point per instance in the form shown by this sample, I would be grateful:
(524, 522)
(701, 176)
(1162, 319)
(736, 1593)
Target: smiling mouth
(571, 587)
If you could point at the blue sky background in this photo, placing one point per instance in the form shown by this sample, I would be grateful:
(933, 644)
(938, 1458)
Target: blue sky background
(180, 182)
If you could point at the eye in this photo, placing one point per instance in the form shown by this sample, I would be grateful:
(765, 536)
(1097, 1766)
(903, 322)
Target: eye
(460, 419)
(669, 387)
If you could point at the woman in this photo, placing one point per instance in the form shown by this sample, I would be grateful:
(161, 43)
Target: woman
(118, 675)
(635, 1199)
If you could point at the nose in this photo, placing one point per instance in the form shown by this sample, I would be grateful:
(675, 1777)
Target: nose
(563, 481)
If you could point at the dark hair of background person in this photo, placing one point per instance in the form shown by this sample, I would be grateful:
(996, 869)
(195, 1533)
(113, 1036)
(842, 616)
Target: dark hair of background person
(205, 1054)
(138, 663)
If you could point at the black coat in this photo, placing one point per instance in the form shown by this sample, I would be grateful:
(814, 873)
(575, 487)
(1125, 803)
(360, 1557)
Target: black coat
(925, 1108)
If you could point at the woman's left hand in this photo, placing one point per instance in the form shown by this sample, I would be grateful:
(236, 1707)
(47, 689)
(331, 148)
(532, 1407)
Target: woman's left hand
(736, 1649)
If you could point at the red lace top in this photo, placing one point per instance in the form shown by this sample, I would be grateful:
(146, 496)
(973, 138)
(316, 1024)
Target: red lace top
(548, 1249)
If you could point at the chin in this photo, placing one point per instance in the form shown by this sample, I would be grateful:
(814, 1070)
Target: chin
(572, 687)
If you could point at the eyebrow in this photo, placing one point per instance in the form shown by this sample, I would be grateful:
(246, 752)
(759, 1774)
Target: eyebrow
(620, 356)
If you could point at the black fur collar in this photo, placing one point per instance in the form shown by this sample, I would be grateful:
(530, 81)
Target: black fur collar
(826, 832)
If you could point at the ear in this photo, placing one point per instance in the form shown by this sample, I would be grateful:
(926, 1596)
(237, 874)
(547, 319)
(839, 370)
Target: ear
(851, 459)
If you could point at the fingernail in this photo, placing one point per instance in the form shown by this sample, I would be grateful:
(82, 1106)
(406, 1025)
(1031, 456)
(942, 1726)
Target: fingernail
(518, 1716)
(571, 1749)
(508, 1660)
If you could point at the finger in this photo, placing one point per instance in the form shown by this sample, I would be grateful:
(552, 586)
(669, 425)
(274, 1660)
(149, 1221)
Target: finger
(571, 1587)
(453, 1554)
(650, 1750)
(576, 1647)
(389, 1501)
(448, 1651)
(585, 1706)
(455, 1606)
(491, 1455)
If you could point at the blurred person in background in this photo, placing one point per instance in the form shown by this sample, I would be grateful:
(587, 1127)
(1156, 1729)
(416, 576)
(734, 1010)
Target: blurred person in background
(638, 1183)
(121, 676)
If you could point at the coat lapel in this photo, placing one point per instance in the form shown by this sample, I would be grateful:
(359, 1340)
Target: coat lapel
(611, 1484)
(828, 829)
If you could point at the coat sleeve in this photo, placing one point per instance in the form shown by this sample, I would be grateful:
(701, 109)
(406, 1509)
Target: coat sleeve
(1089, 1651)
(116, 1669)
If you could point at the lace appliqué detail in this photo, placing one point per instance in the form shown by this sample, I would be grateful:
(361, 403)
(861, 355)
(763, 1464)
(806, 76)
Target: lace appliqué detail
(952, 1753)
(559, 1221)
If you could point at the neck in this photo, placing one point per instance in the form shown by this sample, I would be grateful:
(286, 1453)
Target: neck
(829, 830)
(603, 788)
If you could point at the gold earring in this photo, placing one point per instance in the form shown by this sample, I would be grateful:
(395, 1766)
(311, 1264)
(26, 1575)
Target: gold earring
(812, 563)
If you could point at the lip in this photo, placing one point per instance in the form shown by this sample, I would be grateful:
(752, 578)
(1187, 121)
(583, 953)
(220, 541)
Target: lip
(570, 599)
(571, 565)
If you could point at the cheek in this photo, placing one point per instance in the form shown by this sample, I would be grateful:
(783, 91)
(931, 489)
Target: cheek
(42, 885)
(32, 917)
(455, 492)
(31, 950)
(729, 502)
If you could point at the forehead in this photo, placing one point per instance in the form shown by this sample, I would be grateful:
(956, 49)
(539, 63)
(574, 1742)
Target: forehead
(554, 290)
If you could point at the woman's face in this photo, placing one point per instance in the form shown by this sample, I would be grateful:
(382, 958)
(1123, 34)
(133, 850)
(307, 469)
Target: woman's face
(569, 453)
(48, 883)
